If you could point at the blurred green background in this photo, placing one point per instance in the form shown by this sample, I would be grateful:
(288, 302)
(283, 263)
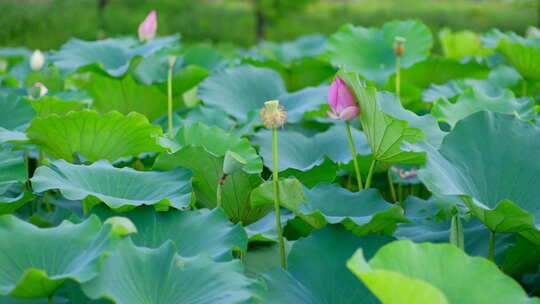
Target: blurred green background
(46, 24)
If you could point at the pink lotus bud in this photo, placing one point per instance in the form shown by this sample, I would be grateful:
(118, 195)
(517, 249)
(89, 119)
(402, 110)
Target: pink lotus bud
(406, 174)
(148, 28)
(342, 101)
(37, 60)
(42, 89)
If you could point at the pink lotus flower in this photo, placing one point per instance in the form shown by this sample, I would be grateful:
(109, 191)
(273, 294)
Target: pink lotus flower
(42, 89)
(342, 101)
(148, 28)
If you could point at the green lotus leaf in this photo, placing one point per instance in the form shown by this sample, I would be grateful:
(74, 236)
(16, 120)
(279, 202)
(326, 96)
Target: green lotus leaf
(383, 132)
(16, 112)
(202, 149)
(316, 270)
(12, 136)
(204, 57)
(369, 52)
(526, 59)
(502, 194)
(361, 212)
(125, 95)
(193, 232)
(13, 174)
(305, 46)
(154, 70)
(111, 55)
(300, 73)
(109, 136)
(303, 153)
(474, 100)
(426, 225)
(499, 78)
(522, 257)
(405, 272)
(458, 45)
(48, 105)
(432, 71)
(116, 187)
(390, 105)
(493, 37)
(12, 170)
(42, 259)
(264, 230)
(244, 89)
(138, 275)
(323, 173)
(208, 116)
(14, 198)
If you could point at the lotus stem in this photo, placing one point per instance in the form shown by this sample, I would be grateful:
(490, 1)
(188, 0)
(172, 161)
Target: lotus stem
(370, 173)
(218, 195)
(391, 184)
(400, 193)
(170, 100)
(491, 255)
(276, 198)
(219, 190)
(456, 232)
(353, 152)
(524, 88)
(398, 76)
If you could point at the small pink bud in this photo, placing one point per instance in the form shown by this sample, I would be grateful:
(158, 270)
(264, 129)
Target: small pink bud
(405, 174)
(342, 101)
(148, 28)
(42, 89)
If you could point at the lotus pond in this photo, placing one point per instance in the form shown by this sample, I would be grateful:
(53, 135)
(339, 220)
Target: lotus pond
(361, 167)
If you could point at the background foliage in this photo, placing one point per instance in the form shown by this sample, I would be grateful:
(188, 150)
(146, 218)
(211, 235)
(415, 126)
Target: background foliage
(46, 24)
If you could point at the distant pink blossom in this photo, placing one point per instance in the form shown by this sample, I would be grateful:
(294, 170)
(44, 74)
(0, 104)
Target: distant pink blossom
(42, 89)
(148, 28)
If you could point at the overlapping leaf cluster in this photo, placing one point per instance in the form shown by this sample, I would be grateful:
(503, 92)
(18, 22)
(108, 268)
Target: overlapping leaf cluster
(98, 205)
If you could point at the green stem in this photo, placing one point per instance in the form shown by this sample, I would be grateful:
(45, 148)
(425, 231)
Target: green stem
(170, 101)
(48, 206)
(391, 183)
(276, 198)
(41, 157)
(398, 76)
(456, 232)
(524, 88)
(218, 195)
(50, 300)
(400, 193)
(353, 152)
(370, 173)
(491, 255)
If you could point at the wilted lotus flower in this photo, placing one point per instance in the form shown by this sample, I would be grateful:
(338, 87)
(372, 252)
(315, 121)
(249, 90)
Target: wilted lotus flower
(37, 60)
(273, 115)
(148, 28)
(342, 101)
(42, 88)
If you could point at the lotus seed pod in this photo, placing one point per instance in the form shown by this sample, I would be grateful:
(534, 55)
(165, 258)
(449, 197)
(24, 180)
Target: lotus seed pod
(399, 45)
